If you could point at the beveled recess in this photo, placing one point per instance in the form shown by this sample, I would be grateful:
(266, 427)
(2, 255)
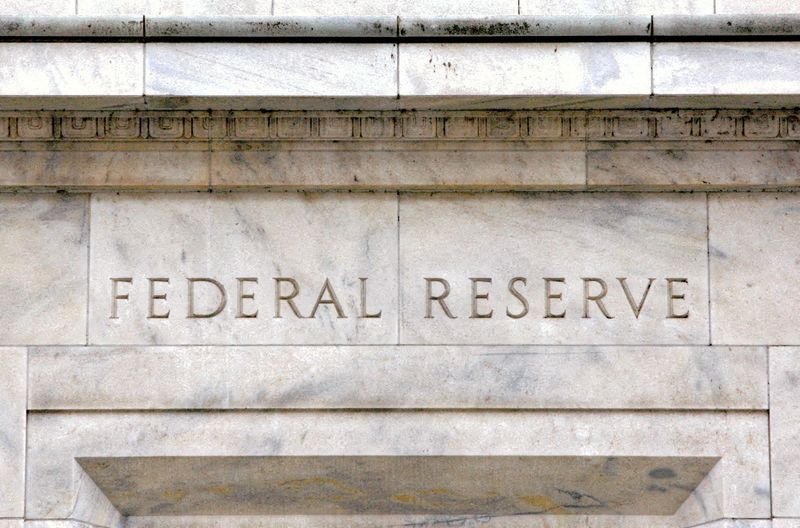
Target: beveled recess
(397, 485)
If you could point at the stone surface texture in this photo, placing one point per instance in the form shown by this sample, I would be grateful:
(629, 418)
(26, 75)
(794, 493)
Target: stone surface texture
(369, 263)
(45, 240)
(753, 253)
(13, 404)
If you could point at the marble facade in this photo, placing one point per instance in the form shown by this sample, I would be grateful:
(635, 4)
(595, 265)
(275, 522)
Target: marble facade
(499, 268)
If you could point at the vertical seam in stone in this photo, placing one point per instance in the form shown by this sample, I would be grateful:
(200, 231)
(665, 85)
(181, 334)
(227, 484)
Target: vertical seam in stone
(144, 58)
(708, 264)
(652, 53)
(272, 7)
(519, 6)
(397, 60)
(88, 261)
(715, 7)
(76, 7)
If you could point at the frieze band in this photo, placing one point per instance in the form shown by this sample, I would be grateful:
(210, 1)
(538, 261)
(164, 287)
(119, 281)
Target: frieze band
(408, 126)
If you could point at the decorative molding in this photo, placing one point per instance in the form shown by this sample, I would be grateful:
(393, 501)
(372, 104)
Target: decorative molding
(701, 125)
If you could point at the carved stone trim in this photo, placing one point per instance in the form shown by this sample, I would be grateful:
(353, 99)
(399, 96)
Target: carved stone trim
(402, 126)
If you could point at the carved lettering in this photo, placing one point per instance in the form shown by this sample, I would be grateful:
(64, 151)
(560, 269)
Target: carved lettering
(549, 296)
(430, 297)
(364, 312)
(597, 299)
(672, 297)
(242, 296)
(521, 298)
(222, 301)
(279, 296)
(476, 314)
(636, 307)
(153, 297)
(116, 296)
(332, 299)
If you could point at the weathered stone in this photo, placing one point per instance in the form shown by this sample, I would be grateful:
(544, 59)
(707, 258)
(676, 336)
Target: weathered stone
(248, 69)
(63, 378)
(694, 169)
(44, 240)
(739, 439)
(784, 370)
(396, 7)
(174, 7)
(71, 69)
(403, 169)
(254, 246)
(103, 169)
(615, 7)
(766, 7)
(753, 252)
(37, 7)
(521, 269)
(13, 406)
(695, 68)
(494, 69)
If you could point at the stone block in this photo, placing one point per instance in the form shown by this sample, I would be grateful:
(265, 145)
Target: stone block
(784, 371)
(713, 68)
(738, 439)
(264, 268)
(753, 255)
(508, 69)
(785, 523)
(13, 411)
(396, 7)
(413, 377)
(12, 523)
(616, 7)
(37, 7)
(71, 69)
(694, 169)
(400, 169)
(107, 168)
(43, 273)
(762, 7)
(522, 269)
(175, 7)
(271, 69)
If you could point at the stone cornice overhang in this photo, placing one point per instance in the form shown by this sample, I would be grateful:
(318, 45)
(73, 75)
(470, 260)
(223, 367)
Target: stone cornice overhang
(399, 29)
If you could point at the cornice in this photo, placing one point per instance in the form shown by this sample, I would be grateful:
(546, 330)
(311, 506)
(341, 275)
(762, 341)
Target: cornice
(454, 126)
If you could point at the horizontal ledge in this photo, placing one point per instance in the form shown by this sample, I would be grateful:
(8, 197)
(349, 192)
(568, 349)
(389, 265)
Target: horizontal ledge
(401, 29)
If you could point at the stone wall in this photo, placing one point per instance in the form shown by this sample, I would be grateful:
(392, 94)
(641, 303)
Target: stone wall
(394, 271)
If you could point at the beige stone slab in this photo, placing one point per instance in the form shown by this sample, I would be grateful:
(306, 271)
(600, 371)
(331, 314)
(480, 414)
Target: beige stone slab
(396, 7)
(400, 169)
(715, 68)
(761, 7)
(309, 238)
(71, 69)
(44, 243)
(13, 408)
(566, 238)
(785, 523)
(739, 439)
(271, 69)
(107, 168)
(37, 7)
(616, 7)
(174, 7)
(696, 169)
(754, 251)
(12, 523)
(506, 69)
(501, 486)
(784, 370)
(741, 523)
(398, 377)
